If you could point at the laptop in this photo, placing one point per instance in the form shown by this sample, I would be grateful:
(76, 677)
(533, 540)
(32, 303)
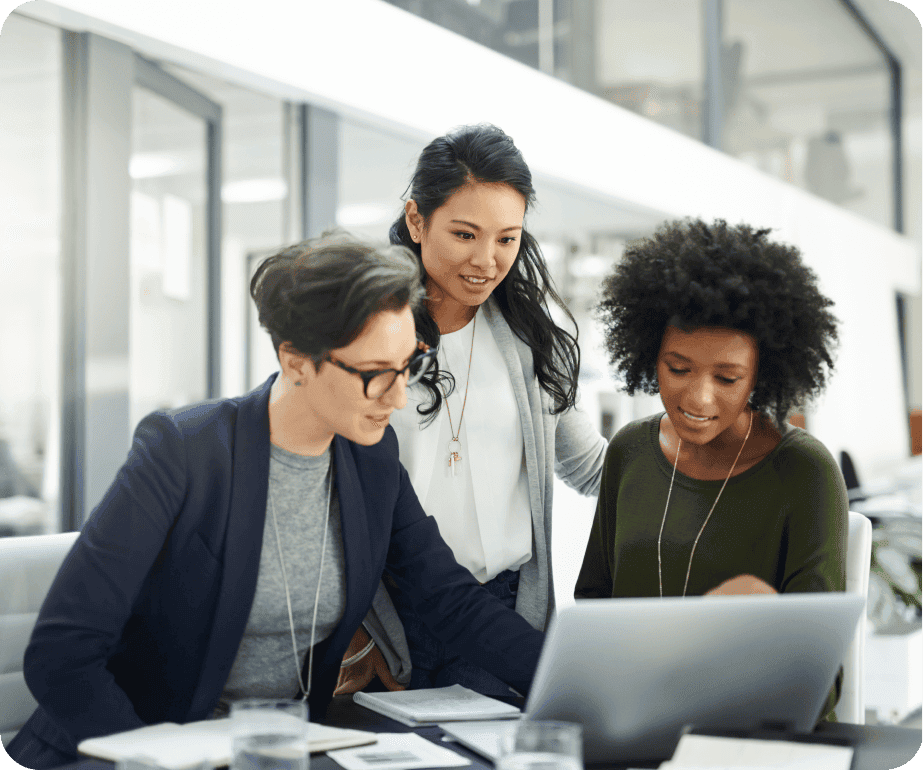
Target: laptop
(636, 672)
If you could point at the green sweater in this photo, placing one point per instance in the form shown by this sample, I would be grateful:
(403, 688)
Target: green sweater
(783, 520)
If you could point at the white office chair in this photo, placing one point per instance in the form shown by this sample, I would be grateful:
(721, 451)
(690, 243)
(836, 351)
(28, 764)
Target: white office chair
(850, 707)
(27, 567)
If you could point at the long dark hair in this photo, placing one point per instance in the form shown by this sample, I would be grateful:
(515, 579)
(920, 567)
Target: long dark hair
(484, 153)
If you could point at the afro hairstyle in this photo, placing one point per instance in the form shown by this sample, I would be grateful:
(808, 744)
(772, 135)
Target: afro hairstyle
(691, 274)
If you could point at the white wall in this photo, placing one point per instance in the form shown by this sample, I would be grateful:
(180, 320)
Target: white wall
(369, 59)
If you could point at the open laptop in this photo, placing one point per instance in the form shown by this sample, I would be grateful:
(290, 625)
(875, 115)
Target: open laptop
(634, 672)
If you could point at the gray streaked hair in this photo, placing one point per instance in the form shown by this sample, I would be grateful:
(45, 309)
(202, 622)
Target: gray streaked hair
(319, 294)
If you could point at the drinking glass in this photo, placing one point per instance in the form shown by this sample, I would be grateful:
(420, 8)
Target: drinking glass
(269, 735)
(542, 745)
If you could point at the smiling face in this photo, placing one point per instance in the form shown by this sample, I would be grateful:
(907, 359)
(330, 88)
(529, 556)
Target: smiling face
(705, 377)
(468, 246)
(333, 400)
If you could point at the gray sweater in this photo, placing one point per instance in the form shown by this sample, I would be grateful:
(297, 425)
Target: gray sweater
(567, 444)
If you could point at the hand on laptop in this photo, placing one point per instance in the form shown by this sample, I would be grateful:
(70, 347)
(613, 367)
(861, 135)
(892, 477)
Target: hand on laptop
(742, 584)
(357, 675)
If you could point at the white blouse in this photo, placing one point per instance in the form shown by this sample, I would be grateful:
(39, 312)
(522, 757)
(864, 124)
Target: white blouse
(483, 510)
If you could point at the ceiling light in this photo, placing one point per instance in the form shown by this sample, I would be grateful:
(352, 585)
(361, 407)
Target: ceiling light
(361, 214)
(146, 165)
(254, 190)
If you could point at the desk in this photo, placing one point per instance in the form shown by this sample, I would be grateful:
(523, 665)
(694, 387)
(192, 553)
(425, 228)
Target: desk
(876, 747)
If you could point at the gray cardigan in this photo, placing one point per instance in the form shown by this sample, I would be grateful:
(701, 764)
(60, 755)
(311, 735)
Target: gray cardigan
(567, 444)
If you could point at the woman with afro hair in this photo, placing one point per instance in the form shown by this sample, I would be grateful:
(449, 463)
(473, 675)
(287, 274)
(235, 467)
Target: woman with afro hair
(718, 494)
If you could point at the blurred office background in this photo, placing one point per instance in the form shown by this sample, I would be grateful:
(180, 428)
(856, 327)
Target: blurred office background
(152, 153)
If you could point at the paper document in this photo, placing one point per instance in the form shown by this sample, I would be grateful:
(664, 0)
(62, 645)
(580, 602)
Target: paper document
(706, 751)
(441, 704)
(398, 751)
(183, 746)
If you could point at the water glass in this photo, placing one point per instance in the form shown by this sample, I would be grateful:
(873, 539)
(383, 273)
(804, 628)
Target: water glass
(269, 735)
(542, 745)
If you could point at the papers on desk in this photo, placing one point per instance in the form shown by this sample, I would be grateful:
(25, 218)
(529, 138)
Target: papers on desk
(706, 751)
(442, 704)
(184, 746)
(398, 751)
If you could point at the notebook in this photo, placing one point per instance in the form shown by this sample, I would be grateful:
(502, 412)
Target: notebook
(185, 746)
(434, 705)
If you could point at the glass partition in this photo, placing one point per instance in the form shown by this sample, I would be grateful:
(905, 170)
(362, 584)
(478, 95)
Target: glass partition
(375, 169)
(259, 184)
(807, 100)
(30, 263)
(806, 92)
(167, 307)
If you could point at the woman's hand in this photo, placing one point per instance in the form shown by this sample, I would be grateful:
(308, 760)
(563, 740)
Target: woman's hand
(356, 676)
(742, 584)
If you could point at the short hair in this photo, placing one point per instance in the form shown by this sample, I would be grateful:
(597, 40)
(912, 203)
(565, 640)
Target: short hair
(319, 294)
(693, 274)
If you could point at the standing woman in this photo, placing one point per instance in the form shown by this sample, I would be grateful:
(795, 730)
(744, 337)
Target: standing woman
(483, 437)
(717, 494)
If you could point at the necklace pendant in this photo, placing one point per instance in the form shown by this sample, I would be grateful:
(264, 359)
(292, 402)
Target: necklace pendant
(454, 456)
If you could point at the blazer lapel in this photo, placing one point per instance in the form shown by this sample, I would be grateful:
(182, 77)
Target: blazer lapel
(358, 565)
(357, 544)
(243, 543)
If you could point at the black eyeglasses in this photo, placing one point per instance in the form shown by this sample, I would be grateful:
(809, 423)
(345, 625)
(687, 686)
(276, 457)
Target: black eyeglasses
(377, 383)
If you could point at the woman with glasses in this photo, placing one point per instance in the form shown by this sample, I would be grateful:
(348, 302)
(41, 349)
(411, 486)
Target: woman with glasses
(485, 433)
(243, 540)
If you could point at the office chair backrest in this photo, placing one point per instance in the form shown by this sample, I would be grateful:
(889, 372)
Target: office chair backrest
(854, 488)
(27, 567)
(850, 707)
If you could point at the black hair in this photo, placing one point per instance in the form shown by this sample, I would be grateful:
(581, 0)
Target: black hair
(319, 294)
(696, 275)
(484, 153)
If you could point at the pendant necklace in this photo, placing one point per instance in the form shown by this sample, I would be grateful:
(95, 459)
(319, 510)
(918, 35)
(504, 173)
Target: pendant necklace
(671, 487)
(317, 594)
(455, 447)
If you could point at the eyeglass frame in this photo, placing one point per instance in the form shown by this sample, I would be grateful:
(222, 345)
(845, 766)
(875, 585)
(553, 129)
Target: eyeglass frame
(423, 351)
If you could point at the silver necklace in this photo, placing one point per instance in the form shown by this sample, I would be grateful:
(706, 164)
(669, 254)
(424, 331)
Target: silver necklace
(670, 489)
(455, 447)
(285, 581)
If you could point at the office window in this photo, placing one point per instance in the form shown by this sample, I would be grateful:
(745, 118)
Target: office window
(374, 169)
(806, 92)
(647, 57)
(259, 200)
(807, 100)
(650, 59)
(167, 308)
(30, 292)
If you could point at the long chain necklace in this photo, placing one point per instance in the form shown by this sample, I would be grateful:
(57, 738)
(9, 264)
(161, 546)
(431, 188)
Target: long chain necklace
(455, 448)
(671, 487)
(317, 595)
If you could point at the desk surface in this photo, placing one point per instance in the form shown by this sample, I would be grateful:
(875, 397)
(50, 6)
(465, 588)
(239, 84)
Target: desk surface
(876, 747)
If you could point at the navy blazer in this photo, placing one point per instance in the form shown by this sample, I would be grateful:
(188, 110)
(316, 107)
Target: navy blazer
(143, 621)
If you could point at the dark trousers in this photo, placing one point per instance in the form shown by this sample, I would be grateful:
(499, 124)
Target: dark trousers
(432, 666)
